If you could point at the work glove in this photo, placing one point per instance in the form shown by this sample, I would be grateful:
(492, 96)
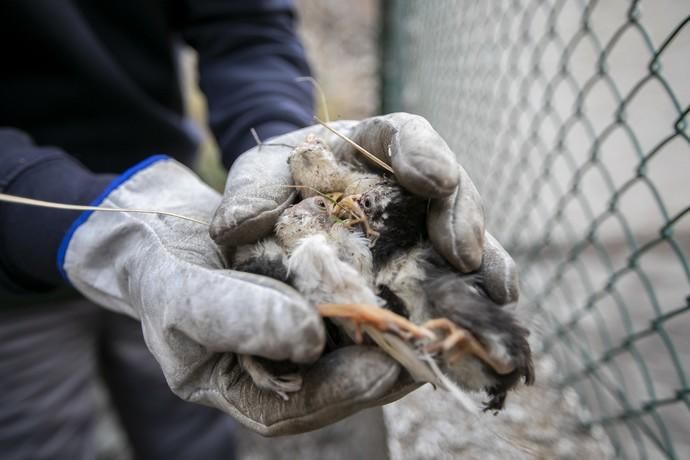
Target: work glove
(197, 316)
(257, 192)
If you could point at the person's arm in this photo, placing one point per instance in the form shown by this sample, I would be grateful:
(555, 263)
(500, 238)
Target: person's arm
(249, 60)
(30, 236)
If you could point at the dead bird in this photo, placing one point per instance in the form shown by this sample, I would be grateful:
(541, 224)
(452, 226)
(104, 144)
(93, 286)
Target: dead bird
(357, 240)
(325, 263)
(417, 283)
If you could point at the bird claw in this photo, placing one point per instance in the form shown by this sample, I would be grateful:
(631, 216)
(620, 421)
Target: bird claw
(265, 378)
(377, 317)
(458, 342)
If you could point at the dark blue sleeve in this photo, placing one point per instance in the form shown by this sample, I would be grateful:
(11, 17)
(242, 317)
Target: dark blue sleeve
(30, 236)
(249, 59)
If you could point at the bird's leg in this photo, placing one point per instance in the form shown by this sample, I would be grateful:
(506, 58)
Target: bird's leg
(334, 207)
(265, 378)
(458, 342)
(380, 318)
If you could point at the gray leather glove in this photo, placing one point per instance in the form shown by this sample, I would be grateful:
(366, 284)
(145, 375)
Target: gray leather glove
(256, 193)
(196, 315)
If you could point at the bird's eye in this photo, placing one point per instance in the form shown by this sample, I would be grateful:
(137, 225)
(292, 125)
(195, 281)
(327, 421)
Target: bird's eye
(366, 203)
(321, 204)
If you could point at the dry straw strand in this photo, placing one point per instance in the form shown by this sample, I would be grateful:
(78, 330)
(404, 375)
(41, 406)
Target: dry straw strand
(322, 95)
(75, 207)
(361, 149)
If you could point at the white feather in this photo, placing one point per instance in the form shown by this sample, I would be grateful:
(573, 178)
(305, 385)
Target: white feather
(323, 278)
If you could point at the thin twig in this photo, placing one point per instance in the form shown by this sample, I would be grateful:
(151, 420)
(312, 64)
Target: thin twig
(322, 95)
(74, 207)
(361, 149)
(256, 137)
(261, 143)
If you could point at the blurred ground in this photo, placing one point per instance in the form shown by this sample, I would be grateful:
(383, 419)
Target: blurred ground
(538, 422)
(361, 436)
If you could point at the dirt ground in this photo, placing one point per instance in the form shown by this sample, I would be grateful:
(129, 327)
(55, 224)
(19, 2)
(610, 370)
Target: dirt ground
(538, 422)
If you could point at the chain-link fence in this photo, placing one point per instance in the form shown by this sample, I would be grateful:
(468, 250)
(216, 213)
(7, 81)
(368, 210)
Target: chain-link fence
(572, 118)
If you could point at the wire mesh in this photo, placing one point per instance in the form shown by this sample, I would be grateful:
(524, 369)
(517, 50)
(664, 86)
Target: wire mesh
(572, 118)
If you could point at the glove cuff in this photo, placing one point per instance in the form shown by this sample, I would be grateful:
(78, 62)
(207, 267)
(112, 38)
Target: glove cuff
(106, 253)
(83, 217)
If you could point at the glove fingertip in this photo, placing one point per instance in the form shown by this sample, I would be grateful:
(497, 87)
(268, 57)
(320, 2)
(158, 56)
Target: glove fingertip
(499, 273)
(236, 223)
(256, 192)
(456, 229)
(422, 160)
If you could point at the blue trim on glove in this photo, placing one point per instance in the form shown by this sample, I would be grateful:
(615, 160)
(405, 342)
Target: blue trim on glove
(124, 177)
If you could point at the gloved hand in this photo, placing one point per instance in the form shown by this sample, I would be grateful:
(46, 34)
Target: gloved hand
(196, 315)
(256, 193)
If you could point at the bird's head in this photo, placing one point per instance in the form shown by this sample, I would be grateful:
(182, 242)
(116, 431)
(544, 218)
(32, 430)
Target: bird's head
(503, 338)
(308, 217)
(306, 159)
(396, 215)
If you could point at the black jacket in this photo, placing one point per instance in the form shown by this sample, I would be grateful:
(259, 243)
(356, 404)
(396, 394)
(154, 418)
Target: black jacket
(91, 87)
